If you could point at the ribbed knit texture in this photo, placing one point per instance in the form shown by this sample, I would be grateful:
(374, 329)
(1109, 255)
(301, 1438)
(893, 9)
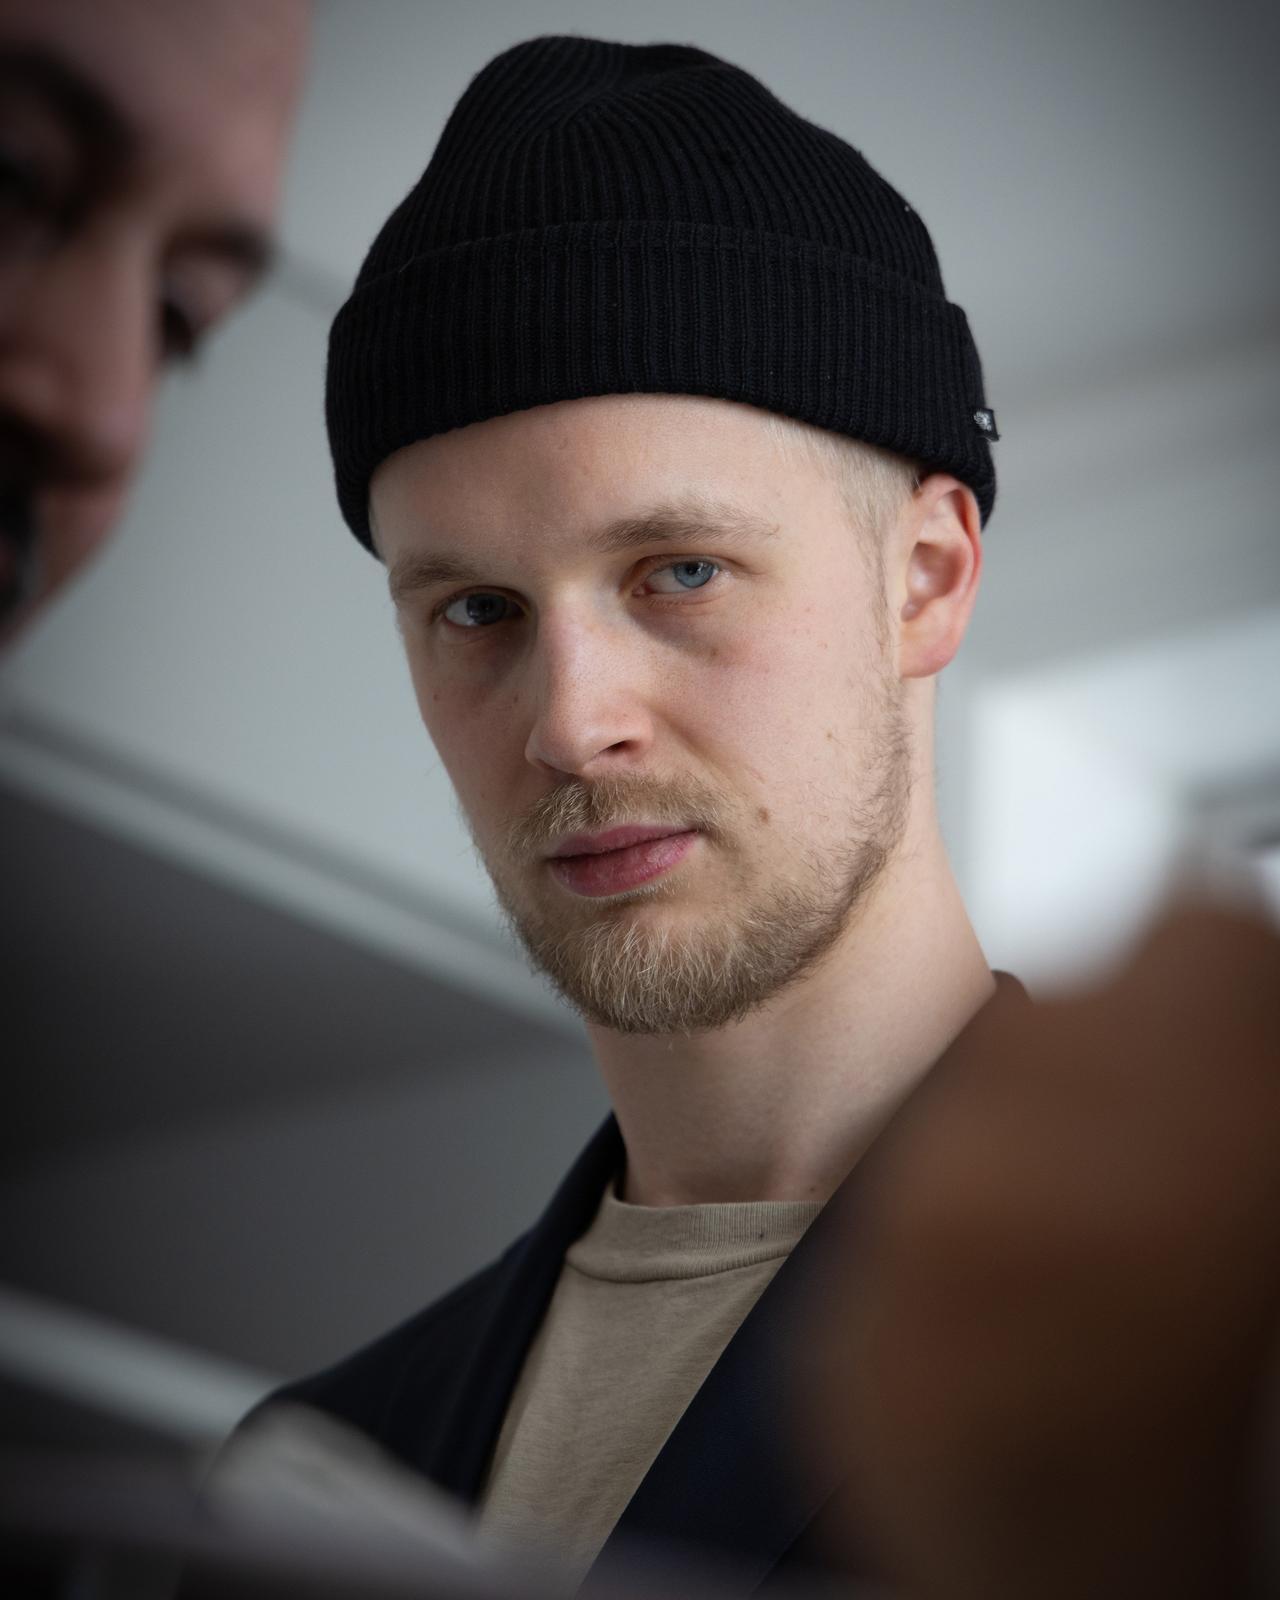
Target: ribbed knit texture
(604, 218)
(643, 1244)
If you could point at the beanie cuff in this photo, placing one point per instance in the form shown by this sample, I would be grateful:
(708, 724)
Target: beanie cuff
(480, 329)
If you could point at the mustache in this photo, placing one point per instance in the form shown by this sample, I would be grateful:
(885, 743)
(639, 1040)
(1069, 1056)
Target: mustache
(578, 807)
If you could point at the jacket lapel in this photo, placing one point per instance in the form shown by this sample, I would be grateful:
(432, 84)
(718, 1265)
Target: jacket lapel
(729, 1482)
(459, 1457)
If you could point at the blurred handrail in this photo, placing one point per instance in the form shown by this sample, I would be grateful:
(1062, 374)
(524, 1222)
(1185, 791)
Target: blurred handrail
(185, 1395)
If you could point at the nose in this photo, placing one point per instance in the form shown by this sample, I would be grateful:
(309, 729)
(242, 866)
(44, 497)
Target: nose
(78, 364)
(591, 707)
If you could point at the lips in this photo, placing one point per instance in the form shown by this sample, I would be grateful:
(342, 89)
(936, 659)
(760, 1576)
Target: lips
(619, 858)
(594, 844)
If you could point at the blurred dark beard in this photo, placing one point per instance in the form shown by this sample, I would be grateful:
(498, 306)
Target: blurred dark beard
(18, 551)
(646, 975)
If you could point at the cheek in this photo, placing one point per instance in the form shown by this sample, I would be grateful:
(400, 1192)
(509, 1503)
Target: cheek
(792, 707)
(767, 682)
(478, 738)
(72, 529)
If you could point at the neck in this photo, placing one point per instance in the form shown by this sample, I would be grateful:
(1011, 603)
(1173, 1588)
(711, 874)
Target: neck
(780, 1105)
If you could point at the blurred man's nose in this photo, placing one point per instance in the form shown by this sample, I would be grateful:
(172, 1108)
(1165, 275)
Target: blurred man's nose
(592, 715)
(78, 363)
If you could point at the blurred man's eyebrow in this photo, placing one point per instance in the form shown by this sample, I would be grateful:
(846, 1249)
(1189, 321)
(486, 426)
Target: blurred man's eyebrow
(685, 526)
(111, 146)
(99, 125)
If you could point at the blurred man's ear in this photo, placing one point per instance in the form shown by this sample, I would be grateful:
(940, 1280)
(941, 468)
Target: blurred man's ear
(933, 581)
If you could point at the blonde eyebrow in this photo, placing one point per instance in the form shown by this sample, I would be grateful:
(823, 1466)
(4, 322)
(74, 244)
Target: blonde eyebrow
(414, 572)
(684, 525)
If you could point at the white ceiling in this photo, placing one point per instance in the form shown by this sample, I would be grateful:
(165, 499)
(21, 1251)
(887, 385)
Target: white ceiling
(1099, 786)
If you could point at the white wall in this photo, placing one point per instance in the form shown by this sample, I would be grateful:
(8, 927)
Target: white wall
(1099, 784)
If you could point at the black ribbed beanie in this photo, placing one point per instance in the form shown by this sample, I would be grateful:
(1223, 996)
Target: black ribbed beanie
(608, 218)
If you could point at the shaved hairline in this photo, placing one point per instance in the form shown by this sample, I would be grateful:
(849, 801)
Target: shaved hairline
(874, 483)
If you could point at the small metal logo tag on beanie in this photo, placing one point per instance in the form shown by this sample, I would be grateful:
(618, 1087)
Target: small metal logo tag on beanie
(986, 421)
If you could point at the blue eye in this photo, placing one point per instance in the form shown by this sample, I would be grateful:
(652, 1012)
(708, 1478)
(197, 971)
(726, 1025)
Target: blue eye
(683, 575)
(478, 610)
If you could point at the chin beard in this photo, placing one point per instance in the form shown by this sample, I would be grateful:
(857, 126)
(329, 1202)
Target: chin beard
(641, 975)
(637, 968)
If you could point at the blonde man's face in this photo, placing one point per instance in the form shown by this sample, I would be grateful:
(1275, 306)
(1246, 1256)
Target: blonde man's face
(659, 672)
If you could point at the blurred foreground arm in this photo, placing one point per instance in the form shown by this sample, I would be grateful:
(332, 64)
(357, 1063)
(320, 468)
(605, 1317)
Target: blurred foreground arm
(1052, 1364)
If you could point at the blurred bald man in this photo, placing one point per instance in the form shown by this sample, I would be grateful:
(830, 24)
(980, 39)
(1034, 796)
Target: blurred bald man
(141, 150)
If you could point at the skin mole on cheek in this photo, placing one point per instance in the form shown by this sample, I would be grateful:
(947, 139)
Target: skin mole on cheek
(763, 813)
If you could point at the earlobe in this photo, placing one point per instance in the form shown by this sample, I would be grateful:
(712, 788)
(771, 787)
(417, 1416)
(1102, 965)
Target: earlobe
(940, 580)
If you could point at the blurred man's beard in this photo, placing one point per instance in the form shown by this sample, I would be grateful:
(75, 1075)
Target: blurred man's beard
(19, 552)
(626, 968)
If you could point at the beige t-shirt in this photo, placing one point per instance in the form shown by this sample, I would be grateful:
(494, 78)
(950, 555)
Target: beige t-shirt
(647, 1300)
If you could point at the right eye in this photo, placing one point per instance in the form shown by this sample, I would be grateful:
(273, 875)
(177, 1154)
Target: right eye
(479, 610)
(41, 174)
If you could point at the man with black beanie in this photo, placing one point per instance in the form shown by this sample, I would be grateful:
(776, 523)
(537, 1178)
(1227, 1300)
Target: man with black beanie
(650, 400)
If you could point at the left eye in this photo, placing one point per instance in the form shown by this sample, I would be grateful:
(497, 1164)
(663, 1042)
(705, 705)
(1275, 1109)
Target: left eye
(478, 610)
(682, 575)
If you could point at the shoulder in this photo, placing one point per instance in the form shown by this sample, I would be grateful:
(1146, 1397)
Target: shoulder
(366, 1388)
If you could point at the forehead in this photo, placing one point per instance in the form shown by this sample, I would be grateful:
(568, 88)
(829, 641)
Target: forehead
(206, 87)
(561, 472)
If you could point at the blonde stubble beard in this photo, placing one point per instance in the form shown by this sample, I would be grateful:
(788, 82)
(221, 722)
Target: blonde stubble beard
(624, 966)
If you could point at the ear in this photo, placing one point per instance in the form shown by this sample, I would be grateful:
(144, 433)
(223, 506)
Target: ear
(935, 581)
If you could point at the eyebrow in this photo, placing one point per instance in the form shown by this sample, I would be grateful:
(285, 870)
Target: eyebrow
(684, 525)
(111, 145)
(100, 127)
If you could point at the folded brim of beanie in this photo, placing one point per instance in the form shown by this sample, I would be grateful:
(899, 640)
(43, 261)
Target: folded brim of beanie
(491, 326)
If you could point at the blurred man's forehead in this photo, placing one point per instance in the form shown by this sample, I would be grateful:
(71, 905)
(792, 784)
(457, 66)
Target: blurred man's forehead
(202, 88)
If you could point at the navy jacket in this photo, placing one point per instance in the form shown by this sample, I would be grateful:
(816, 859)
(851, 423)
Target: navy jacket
(729, 1484)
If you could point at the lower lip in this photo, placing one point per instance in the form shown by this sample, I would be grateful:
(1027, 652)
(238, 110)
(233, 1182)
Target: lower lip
(616, 871)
